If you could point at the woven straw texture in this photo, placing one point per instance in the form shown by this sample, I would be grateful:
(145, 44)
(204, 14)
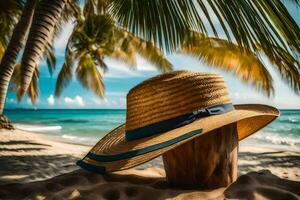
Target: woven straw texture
(171, 95)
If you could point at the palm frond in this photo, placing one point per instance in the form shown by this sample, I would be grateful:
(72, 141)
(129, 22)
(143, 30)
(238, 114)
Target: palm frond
(89, 76)
(15, 79)
(229, 57)
(33, 89)
(163, 22)
(247, 22)
(89, 7)
(288, 68)
(127, 55)
(10, 12)
(150, 52)
(65, 75)
(103, 6)
(124, 50)
(95, 7)
(71, 11)
(2, 49)
(50, 57)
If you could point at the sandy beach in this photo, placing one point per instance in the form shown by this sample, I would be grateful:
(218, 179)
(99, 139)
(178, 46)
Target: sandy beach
(37, 166)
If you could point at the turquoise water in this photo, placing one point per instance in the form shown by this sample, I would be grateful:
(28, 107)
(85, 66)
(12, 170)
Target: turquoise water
(82, 126)
(88, 126)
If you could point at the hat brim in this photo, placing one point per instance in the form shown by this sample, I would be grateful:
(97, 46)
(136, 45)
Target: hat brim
(249, 118)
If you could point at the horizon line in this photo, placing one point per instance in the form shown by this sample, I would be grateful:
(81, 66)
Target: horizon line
(32, 109)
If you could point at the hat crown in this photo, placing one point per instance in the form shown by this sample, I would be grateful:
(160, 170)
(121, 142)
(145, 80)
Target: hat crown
(173, 94)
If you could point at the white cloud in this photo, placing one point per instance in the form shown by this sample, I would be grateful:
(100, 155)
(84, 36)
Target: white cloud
(77, 101)
(51, 100)
(101, 102)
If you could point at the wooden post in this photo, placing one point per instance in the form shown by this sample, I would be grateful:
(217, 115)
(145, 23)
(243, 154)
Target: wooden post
(207, 162)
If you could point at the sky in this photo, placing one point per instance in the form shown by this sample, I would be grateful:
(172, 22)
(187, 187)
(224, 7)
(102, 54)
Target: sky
(120, 79)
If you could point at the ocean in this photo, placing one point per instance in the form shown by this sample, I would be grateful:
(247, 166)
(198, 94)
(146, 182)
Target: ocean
(88, 126)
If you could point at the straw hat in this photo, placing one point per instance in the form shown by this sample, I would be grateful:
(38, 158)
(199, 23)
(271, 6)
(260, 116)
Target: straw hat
(168, 110)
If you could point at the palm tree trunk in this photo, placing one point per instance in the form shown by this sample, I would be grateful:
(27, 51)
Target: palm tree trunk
(15, 45)
(47, 13)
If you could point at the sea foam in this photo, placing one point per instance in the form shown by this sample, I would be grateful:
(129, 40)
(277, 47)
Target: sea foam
(276, 139)
(37, 128)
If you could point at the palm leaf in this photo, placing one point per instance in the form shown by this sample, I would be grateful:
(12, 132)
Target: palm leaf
(2, 49)
(163, 22)
(65, 75)
(13, 49)
(126, 55)
(124, 50)
(33, 89)
(231, 58)
(10, 12)
(288, 68)
(89, 76)
(50, 58)
(248, 23)
(150, 52)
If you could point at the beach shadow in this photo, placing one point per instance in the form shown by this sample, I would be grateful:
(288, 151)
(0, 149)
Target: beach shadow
(22, 142)
(21, 149)
(268, 159)
(24, 161)
(14, 169)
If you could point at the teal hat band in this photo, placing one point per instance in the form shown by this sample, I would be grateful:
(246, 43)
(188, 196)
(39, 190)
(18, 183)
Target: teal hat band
(177, 122)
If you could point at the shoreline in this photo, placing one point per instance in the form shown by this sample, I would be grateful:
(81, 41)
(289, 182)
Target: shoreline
(27, 157)
(263, 138)
(24, 143)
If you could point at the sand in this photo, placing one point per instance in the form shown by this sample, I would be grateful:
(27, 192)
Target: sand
(35, 166)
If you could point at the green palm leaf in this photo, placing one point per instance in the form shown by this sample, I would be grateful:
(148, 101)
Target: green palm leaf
(288, 68)
(95, 38)
(150, 52)
(66, 73)
(163, 22)
(229, 57)
(89, 76)
(33, 89)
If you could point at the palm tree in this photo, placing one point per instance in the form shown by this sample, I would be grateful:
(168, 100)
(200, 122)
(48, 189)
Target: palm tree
(14, 47)
(257, 27)
(95, 38)
(10, 10)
